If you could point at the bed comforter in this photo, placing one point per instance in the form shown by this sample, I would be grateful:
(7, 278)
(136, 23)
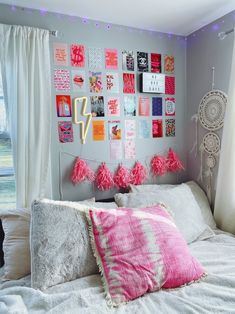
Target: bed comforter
(214, 294)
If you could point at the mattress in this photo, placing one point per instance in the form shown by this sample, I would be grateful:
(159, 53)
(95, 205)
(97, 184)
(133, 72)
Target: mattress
(214, 294)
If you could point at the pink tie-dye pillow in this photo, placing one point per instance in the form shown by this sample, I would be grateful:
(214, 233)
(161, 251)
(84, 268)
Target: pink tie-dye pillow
(139, 251)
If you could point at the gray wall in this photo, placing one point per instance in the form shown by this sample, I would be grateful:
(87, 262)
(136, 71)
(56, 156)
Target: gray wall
(204, 51)
(75, 31)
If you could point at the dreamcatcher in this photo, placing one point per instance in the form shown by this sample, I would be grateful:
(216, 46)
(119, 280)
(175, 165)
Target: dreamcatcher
(210, 114)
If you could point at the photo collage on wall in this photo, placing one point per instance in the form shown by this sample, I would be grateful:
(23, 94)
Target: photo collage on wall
(108, 77)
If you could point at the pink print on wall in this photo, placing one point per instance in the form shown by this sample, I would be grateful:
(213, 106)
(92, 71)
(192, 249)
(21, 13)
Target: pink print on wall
(77, 54)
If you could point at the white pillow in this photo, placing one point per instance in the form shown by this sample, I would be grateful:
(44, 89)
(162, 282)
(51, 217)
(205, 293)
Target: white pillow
(198, 194)
(180, 200)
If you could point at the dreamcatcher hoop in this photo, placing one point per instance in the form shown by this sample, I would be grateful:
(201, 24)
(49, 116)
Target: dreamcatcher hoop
(211, 143)
(211, 110)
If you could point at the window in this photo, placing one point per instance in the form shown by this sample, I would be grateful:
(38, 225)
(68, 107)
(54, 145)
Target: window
(7, 179)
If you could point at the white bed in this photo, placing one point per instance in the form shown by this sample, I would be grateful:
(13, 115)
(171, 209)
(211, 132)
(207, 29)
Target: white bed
(214, 294)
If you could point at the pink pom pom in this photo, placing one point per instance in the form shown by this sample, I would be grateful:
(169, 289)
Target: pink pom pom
(104, 178)
(158, 165)
(122, 177)
(81, 171)
(138, 174)
(173, 162)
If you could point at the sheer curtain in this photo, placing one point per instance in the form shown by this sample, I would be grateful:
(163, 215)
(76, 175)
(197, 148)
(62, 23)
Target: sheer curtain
(225, 192)
(25, 65)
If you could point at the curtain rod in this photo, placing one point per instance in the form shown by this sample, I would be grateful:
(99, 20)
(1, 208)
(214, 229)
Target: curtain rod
(54, 33)
(222, 35)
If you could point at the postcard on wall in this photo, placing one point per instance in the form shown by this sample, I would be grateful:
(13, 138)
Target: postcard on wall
(157, 106)
(128, 83)
(144, 106)
(115, 132)
(170, 106)
(63, 105)
(130, 106)
(115, 150)
(97, 106)
(95, 82)
(113, 105)
(169, 85)
(169, 64)
(61, 80)
(142, 61)
(111, 59)
(130, 129)
(170, 127)
(156, 63)
(128, 62)
(144, 129)
(130, 149)
(60, 54)
(95, 58)
(98, 130)
(157, 128)
(78, 80)
(112, 82)
(65, 130)
(77, 55)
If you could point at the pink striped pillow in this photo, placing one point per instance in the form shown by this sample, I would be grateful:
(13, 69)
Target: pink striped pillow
(139, 251)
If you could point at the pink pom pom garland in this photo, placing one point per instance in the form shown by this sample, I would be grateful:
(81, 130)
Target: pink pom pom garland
(138, 174)
(158, 165)
(173, 162)
(122, 177)
(104, 178)
(81, 172)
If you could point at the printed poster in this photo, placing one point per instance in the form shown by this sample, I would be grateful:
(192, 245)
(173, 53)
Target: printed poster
(115, 150)
(115, 132)
(144, 106)
(112, 82)
(144, 129)
(95, 82)
(170, 127)
(156, 63)
(157, 128)
(98, 130)
(97, 106)
(65, 130)
(130, 129)
(63, 106)
(60, 54)
(128, 62)
(128, 83)
(169, 64)
(170, 106)
(61, 80)
(142, 61)
(129, 106)
(130, 150)
(170, 85)
(113, 106)
(157, 106)
(95, 58)
(77, 55)
(111, 59)
(78, 81)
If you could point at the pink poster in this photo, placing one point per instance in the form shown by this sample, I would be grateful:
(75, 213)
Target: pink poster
(60, 54)
(111, 59)
(170, 106)
(78, 80)
(157, 128)
(77, 54)
(61, 80)
(130, 151)
(130, 129)
(169, 85)
(65, 130)
(128, 83)
(113, 106)
(115, 150)
(144, 106)
(112, 82)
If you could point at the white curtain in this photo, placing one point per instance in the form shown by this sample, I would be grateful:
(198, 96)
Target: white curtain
(225, 192)
(25, 64)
